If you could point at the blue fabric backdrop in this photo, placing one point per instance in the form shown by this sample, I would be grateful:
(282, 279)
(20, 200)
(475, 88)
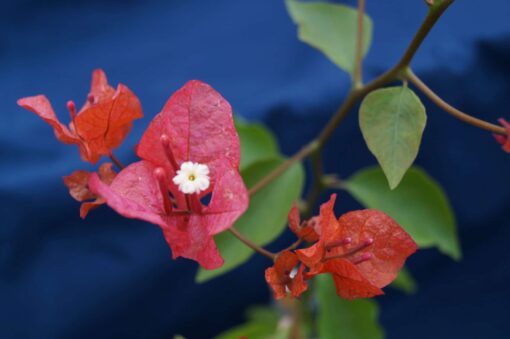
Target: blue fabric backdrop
(108, 277)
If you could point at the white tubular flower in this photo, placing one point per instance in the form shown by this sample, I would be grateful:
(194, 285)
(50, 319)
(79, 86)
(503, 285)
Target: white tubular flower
(192, 178)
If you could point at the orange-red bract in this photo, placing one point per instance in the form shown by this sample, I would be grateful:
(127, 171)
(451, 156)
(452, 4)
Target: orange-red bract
(77, 183)
(362, 250)
(195, 125)
(282, 279)
(504, 140)
(306, 230)
(102, 123)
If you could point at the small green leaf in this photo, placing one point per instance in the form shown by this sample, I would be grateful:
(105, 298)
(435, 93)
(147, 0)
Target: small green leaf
(342, 319)
(419, 205)
(392, 121)
(265, 218)
(405, 282)
(257, 143)
(331, 28)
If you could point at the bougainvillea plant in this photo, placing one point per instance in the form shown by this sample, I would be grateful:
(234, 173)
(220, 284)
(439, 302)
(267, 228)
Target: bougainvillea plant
(220, 190)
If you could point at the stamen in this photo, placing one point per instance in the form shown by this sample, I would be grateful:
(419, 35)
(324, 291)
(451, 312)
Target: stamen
(343, 242)
(181, 212)
(91, 98)
(160, 175)
(165, 142)
(367, 242)
(362, 258)
(194, 203)
(71, 107)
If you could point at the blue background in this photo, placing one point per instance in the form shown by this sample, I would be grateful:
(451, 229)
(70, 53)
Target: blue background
(109, 277)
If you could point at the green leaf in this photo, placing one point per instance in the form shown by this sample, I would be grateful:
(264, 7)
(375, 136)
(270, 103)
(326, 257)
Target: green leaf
(331, 28)
(250, 330)
(419, 205)
(265, 218)
(405, 282)
(262, 324)
(257, 143)
(392, 121)
(342, 319)
(262, 314)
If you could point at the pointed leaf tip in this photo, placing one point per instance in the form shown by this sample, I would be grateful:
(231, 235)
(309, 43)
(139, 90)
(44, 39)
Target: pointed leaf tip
(392, 121)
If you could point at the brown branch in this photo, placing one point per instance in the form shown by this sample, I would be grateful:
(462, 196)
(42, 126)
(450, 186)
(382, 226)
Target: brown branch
(317, 184)
(436, 99)
(116, 161)
(357, 77)
(293, 246)
(303, 153)
(395, 73)
(251, 244)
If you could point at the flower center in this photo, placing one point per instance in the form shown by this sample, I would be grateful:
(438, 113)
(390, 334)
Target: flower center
(192, 177)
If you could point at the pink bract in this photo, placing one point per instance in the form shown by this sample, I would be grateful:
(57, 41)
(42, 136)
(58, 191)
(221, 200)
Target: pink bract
(195, 125)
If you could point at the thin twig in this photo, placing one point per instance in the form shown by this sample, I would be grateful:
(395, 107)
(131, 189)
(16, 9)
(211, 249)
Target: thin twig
(391, 75)
(293, 246)
(317, 185)
(303, 153)
(357, 94)
(251, 244)
(398, 71)
(116, 161)
(436, 99)
(357, 77)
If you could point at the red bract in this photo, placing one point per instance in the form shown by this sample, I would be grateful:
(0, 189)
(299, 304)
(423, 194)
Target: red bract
(504, 140)
(363, 250)
(306, 230)
(196, 126)
(77, 183)
(102, 123)
(282, 279)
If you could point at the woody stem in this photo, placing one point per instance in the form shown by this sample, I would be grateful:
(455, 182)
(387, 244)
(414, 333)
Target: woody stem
(357, 77)
(356, 94)
(251, 244)
(293, 246)
(317, 185)
(303, 153)
(116, 161)
(413, 78)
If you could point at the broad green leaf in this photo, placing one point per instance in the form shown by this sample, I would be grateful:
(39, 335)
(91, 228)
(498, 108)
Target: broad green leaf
(392, 121)
(250, 330)
(257, 143)
(263, 314)
(282, 332)
(331, 28)
(342, 319)
(262, 323)
(265, 218)
(405, 282)
(418, 204)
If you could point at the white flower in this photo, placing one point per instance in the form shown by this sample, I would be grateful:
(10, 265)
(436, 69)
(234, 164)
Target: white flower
(192, 177)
